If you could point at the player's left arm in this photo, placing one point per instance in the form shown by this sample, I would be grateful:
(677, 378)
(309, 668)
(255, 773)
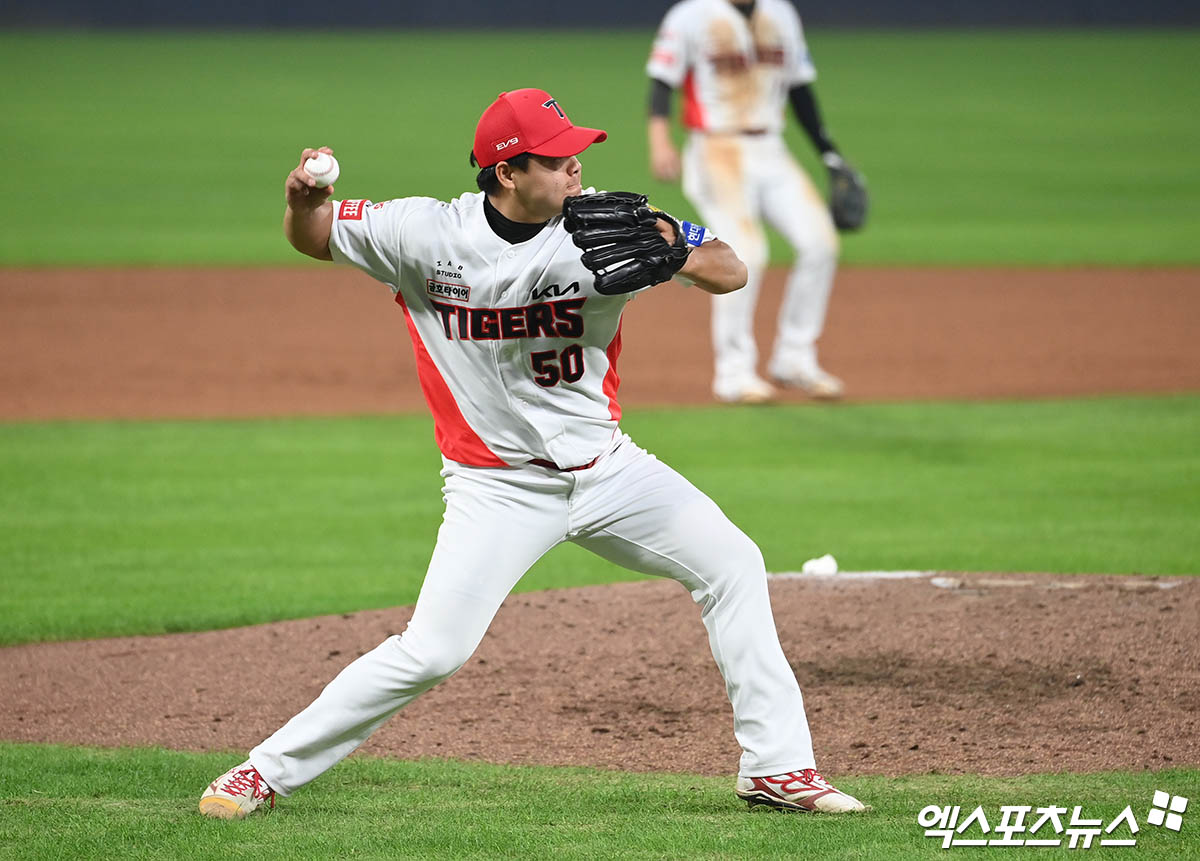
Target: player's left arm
(848, 197)
(801, 74)
(804, 105)
(808, 113)
(712, 266)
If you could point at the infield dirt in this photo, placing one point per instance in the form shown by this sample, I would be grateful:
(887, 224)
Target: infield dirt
(1002, 675)
(246, 342)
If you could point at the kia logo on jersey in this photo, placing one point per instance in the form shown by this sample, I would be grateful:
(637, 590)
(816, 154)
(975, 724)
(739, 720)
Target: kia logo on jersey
(553, 290)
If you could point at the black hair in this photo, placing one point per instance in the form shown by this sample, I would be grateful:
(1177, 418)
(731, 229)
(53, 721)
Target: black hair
(487, 181)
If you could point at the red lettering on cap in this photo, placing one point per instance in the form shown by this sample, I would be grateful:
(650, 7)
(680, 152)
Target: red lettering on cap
(351, 210)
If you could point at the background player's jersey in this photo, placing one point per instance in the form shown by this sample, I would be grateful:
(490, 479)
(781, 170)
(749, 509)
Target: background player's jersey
(515, 350)
(735, 73)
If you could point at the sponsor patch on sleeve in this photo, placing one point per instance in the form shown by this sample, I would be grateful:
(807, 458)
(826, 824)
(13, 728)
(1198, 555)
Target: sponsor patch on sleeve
(663, 56)
(352, 210)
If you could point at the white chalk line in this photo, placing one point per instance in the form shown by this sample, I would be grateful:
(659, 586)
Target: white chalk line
(853, 575)
(941, 580)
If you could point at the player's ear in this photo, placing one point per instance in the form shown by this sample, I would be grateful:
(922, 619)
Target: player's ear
(504, 175)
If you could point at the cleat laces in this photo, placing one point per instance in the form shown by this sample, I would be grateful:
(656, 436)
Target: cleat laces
(249, 781)
(801, 781)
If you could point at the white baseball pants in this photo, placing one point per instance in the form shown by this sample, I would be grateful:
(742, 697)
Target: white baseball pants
(735, 182)
(629, 508)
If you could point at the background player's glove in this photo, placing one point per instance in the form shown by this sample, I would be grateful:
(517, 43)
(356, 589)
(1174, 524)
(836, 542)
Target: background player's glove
(621, 242)
(848, 198)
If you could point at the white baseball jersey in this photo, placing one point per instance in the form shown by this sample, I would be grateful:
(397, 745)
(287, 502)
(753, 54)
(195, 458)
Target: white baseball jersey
(517, 357)
(735, 73)
(516, 351)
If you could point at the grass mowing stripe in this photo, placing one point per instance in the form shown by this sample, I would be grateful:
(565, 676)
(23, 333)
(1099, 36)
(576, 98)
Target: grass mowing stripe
(1050, 147)
(138, 803)
(188, 525)
(122, 527)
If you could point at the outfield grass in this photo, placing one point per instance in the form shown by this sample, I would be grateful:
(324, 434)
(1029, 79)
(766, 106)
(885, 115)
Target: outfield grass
(83, 803)
(113, 528)
(1008, 147)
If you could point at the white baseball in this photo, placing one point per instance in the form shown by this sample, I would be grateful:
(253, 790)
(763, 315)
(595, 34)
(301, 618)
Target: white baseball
(323, 168)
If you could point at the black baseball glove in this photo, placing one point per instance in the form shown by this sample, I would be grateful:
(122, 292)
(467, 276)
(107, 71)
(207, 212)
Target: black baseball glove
(848, 198)
(620, 241)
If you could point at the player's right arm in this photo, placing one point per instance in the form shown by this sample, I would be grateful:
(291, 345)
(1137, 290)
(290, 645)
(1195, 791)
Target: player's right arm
(664, 157)
(308, 218)
(667, 68)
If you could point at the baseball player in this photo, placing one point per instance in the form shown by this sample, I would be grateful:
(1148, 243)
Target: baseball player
(517, 357)
(738, 62)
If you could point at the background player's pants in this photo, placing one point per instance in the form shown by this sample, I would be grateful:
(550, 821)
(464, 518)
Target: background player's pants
(735, 182)
(629, 508)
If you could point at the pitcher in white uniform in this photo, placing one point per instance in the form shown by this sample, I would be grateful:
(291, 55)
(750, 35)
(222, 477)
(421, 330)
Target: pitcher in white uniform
(517, 357)
(738, 63)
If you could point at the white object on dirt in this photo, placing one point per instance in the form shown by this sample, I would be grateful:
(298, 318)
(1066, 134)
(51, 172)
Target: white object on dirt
(822, 566)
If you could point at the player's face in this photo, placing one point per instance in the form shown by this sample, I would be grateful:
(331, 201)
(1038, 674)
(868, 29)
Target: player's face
(546, 182)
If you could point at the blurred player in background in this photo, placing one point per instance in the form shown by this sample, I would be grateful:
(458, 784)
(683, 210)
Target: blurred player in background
(738, 63)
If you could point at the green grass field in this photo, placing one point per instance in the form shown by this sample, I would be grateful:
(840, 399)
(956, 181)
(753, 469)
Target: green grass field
(309, 516)
(75, 803)
(116, 527)
(1040, 148)
(1050, 148)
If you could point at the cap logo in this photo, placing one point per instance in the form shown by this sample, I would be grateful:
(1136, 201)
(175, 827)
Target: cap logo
(505, 144)
(553, 103)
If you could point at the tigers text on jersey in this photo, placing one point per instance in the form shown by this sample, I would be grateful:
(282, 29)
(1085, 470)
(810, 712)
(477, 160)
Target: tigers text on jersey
(735, 73)
(516, 352)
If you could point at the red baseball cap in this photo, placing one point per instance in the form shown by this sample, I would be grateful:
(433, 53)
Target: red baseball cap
(528, 121)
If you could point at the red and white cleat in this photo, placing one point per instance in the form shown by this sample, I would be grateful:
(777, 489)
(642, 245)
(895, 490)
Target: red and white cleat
(237, 792)
(797, 790)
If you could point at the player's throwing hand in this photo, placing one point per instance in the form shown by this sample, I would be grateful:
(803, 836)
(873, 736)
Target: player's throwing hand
(301, 190)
